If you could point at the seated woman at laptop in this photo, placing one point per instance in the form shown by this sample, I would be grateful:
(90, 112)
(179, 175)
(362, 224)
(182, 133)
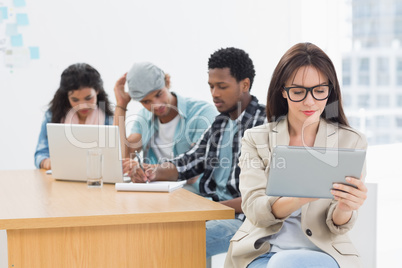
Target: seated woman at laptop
(168, 124)
(80, 99)
(304, 108)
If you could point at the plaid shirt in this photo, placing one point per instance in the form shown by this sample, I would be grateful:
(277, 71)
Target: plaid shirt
(204, 156)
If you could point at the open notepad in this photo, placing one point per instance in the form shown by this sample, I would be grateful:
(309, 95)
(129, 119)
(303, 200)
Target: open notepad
(155, 186)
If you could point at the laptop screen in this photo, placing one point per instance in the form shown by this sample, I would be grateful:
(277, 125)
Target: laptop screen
(68, 146)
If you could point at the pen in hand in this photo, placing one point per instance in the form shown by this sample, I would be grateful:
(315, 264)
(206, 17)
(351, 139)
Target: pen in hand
(140, 163)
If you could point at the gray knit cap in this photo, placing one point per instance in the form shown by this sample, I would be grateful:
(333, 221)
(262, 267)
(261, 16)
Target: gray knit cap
(143, 78)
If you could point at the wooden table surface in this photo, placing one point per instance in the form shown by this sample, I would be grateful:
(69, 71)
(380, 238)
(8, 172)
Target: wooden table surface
(36, 205)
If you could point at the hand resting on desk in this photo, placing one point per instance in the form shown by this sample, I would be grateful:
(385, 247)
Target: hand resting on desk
(45, 164)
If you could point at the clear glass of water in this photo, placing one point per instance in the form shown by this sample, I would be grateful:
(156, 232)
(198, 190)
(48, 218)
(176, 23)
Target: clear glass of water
(94, 168)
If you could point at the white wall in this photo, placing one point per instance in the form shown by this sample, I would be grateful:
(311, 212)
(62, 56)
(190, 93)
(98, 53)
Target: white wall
(177, 35)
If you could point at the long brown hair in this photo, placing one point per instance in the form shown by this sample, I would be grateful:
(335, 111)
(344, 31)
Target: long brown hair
(299, 55)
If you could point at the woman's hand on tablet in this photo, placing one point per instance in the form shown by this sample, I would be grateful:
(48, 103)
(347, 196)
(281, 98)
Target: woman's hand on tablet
(349, 199)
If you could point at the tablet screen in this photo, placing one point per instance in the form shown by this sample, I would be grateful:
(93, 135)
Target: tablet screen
(311, 171)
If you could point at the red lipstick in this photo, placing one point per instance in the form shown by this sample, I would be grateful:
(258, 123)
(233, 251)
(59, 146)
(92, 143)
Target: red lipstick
(308, 113)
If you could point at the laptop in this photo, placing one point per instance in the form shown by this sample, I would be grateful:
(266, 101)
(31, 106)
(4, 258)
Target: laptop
(311, 171)
(68, 146)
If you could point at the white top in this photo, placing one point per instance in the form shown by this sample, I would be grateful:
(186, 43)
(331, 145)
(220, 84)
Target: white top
(163, 146)
(291, 236)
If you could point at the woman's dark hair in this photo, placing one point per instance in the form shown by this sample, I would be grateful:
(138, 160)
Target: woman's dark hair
(237, 60)
(78, 76)
(304, 54)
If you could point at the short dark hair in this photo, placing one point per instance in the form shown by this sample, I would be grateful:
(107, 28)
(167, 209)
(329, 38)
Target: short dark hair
(300, 55)
(78, 76)
(237, 60)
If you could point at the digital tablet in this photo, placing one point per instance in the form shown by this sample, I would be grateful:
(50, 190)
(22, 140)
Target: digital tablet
(311, 171)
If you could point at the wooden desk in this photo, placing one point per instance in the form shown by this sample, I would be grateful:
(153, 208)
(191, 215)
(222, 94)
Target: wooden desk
(64, 224)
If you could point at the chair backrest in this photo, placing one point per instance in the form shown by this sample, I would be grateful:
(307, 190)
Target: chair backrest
(364, 233)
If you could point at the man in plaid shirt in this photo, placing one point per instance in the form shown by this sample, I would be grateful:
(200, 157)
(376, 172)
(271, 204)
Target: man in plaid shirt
(231, 74)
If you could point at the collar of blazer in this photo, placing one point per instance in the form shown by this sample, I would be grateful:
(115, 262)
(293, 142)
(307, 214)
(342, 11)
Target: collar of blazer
(327, 134)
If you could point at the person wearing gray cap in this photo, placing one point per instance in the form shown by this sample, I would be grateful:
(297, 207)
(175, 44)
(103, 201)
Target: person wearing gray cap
(168, 124)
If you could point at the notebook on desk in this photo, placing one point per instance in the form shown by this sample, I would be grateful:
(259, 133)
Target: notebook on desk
(68, 146)
(155, 186)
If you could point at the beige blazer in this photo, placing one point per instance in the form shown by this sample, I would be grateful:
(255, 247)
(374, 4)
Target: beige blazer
(250, 241)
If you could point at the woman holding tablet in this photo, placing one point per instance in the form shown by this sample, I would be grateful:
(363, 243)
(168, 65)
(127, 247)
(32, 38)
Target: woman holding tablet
(80, 99)
(304, 108)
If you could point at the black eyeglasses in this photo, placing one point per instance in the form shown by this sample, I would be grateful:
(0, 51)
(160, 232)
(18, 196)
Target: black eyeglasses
(320, 92)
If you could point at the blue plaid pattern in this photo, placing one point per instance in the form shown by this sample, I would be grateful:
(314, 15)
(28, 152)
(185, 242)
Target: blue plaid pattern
(204, 156)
